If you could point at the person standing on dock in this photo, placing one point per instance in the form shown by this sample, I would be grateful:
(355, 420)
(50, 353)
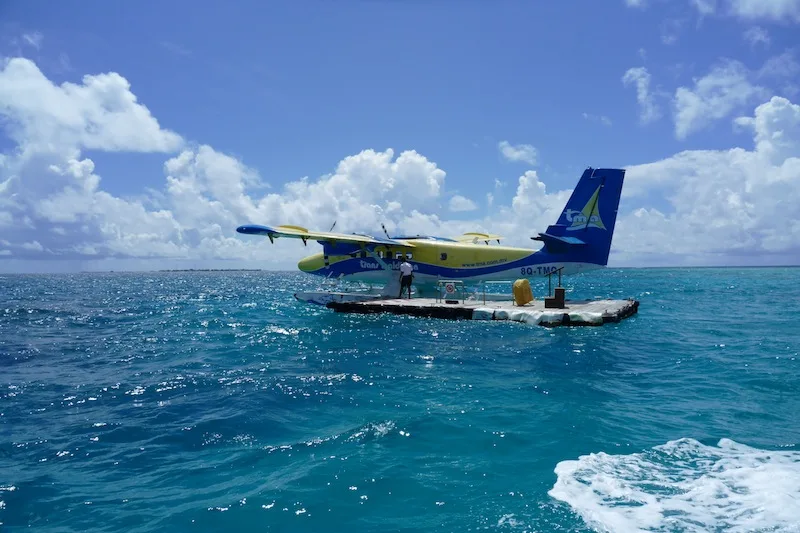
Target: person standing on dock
(406, 277)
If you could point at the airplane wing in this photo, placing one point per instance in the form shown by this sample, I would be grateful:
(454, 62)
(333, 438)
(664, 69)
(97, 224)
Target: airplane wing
(474, 237)
(299, 232)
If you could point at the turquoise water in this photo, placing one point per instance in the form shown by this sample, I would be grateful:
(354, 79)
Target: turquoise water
(216, 402)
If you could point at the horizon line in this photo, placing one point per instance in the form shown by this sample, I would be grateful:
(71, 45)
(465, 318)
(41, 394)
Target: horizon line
(186, 270)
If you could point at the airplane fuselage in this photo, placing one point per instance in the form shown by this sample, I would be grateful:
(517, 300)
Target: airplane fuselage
(436, 259)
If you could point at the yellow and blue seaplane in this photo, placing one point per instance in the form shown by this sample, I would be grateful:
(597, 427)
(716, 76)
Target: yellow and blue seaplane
(579, 241)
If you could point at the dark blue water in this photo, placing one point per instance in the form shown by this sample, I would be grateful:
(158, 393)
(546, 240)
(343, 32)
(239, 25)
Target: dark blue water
(216, 402)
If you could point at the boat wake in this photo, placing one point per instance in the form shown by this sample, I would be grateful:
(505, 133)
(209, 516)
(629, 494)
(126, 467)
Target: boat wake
(685, 486)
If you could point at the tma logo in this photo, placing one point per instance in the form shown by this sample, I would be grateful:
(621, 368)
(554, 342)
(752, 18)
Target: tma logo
(371, 265)
(588, 217)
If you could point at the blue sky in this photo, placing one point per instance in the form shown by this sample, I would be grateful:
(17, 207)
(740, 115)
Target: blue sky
(292, 88)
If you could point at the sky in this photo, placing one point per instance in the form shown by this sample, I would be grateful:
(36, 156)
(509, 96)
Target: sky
(140, 135)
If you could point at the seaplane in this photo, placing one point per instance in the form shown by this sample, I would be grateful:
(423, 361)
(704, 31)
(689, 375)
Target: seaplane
(579, 241)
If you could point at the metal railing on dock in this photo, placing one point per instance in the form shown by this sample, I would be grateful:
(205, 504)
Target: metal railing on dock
(485, 283)
(549, 280)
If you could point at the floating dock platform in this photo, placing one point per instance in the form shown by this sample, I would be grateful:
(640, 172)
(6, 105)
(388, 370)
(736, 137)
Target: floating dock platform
(574, 312)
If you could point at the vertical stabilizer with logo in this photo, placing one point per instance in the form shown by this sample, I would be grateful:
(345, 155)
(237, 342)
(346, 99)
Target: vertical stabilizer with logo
(585, 228)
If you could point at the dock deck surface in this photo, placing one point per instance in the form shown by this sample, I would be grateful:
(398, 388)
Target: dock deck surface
(575, 312)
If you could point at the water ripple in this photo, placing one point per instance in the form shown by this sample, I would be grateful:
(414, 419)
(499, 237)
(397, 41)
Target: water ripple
(209, 401)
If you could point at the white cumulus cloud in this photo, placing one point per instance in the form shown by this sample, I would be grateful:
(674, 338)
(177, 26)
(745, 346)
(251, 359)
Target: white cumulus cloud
(101, 113)
(602, 119)
(719, 206)
(518, 152)
(714, 96)
(705, 7)
(757, 35)
(778, 10)
(33, 39)
(640, 78)
(460, 203)
(750, 10)
(733, 205)
(728, 88)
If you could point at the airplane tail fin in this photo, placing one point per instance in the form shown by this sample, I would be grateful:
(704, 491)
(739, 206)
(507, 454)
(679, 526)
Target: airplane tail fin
(586, 226)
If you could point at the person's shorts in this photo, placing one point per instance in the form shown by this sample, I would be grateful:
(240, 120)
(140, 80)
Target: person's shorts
(405, 281)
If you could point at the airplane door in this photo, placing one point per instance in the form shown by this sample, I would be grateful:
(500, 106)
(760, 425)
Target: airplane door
(441, 259)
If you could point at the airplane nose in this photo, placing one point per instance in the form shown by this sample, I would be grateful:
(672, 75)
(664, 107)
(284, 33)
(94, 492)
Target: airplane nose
(310, 263)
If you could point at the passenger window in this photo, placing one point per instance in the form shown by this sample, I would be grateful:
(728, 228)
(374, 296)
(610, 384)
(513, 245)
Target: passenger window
(409, 256)
(398, 255)
(443, 256)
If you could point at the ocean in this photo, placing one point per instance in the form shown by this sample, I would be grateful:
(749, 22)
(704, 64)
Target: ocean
(213, 401)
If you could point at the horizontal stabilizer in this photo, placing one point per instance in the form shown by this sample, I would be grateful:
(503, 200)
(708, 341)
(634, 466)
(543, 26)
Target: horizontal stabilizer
(555, 244)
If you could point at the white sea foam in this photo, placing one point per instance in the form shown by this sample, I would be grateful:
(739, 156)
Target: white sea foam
(685, 486)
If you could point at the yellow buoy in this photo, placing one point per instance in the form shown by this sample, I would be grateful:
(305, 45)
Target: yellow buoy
(522, 292)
